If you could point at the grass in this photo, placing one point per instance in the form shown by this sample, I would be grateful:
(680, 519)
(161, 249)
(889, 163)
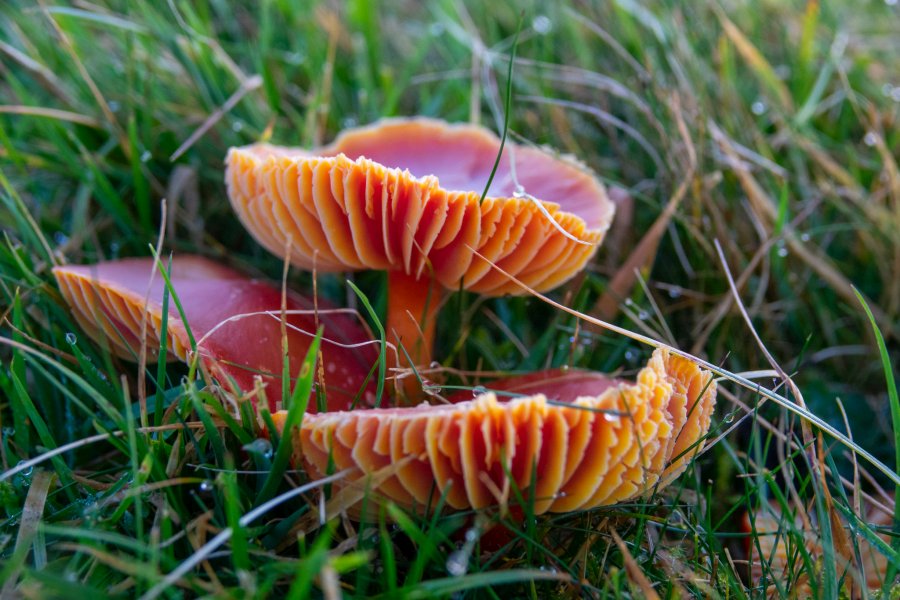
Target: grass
(769, 129)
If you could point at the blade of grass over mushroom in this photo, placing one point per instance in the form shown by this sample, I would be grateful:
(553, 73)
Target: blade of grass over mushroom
(382, 352)
(299, 403)
(507, 106)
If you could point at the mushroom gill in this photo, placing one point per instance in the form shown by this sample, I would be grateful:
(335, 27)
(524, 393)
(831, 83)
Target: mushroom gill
(601, 441)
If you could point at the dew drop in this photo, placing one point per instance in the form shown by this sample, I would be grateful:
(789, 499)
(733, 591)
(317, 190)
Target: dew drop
(8, 431)
(729, 418)
(629, 355)
(782, 252)
(259, 446)
(71, 339)
(237, 126)
(895, 94)
(471, 535)
(804, 237)
(519, 192)
(457, 563)
(643, 315)
(60, 238)
(206, 486)
(349, 122)
(478, 390)
(436, 29)
(114, 106)
(146, 156)
(870, 139)
(542, 24)
(25, 472)
(295, 58)
(675, 292)
(435, 364)
(891, 2)
(758, 107)
(611, 417)
(629, 302)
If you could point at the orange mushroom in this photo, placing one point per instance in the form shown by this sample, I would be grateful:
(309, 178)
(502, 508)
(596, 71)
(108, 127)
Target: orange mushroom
(598, 441)
(235, 321)
(405, 196)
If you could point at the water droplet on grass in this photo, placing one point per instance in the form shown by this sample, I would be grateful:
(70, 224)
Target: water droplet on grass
(870, 139)
(758, 107)
(457, 563)
(71, 339)
(542, 24)
(146, 156)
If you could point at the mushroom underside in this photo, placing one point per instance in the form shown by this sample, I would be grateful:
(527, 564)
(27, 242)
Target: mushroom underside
(575, 453)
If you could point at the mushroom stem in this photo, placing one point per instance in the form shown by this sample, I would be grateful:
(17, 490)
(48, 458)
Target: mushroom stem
(411, 319)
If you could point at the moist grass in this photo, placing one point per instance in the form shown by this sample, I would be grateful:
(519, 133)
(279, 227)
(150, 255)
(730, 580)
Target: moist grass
(767, 130)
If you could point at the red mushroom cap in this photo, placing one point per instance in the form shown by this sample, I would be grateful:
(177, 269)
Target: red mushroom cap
(108, 301)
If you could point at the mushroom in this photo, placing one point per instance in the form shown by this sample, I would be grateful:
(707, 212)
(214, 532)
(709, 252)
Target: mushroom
(599, 441)
(405, 196)
(235, 321)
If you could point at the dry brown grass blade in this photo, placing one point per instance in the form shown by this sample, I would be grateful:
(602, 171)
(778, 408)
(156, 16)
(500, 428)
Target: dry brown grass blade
(839, 536)
(246, 87)
(635, 575)
(642, 257)
(51, 113)
(32, 512)
(44, 76)
(757, 62)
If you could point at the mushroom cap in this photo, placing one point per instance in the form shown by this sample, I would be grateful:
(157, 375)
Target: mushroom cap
(604, 441)
(405, 194)
(108, 301)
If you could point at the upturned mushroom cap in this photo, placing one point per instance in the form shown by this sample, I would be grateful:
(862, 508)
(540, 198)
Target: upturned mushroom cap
(108, 301)
(597, 442)
(403, 194)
